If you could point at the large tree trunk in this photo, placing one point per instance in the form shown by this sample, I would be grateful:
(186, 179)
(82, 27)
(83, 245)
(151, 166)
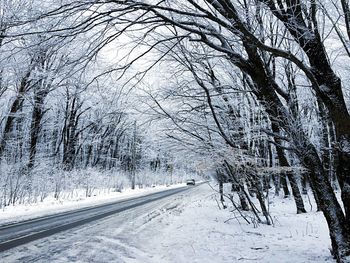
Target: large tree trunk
(284, 183)
(15, 107)
(328, 87)
(306, 152)
(70, 136)
(339, 230)
(332, 96)
(311, 179)
(37, 115)
(325, 145)
(296, 192)
(265, 88)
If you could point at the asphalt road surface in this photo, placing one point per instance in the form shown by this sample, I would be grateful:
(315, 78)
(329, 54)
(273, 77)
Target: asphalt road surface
(16, 234)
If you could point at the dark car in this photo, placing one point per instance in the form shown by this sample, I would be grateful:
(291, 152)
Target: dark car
(190, 182)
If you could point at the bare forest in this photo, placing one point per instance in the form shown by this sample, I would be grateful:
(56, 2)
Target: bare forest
(108, 94)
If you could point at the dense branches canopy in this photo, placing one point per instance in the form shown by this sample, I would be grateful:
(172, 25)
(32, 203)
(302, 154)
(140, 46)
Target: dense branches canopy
(250, 91)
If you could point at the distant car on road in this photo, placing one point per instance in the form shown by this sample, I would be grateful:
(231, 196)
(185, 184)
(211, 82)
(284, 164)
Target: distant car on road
(190, 182)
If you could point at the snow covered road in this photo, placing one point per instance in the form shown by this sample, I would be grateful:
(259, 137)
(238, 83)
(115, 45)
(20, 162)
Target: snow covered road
(19, 233)
(185, 227)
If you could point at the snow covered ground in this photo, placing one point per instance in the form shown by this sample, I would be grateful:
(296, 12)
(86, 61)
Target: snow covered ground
(197, 231)
(186, 227)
